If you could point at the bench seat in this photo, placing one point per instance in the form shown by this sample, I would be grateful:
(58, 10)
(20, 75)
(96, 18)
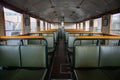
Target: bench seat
(30, 75)
(114, 74)
(90, 74)
(7, 74)
(23, 74)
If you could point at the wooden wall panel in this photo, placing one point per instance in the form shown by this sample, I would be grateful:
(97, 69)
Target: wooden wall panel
(2, 22)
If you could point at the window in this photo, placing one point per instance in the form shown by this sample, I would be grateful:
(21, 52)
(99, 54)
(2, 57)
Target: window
(78, 26)
(81, 25)
(54, 25)
(45, 25)
(41, 25)
(115, 24)
(33, 24)
(13, 22)
(87, 26)
(70, 26)
(62, 24)
(97, 25)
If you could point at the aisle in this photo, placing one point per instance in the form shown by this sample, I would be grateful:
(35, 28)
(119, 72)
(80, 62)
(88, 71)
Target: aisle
(61, 67)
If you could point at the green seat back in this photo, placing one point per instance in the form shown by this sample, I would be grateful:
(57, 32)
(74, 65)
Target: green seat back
(13, 42)
(56, 35)
(86, 56)
(9, 56)
(33, 56)
(86, 42)
(50, 35)
(66, 36)
(110, 56)
(34, 42)
(50, 41)
(70, 41)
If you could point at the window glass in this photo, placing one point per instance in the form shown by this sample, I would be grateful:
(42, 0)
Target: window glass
(45, 25)
(69, 26)
(87, 26)
(13, 22)
(33, 24)
(77, 25)
(115, 24)
(81, 25)
(97, 25)
(54, 25)
(62, 24)
(41, 25)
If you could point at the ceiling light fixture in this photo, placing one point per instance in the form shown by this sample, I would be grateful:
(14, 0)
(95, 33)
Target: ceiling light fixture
(78, 7)
(52, 6)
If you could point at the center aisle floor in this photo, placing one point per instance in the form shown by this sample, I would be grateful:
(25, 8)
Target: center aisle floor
(61, 67)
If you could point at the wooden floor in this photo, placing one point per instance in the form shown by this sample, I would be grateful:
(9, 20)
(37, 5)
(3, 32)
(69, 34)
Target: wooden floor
(61, 69)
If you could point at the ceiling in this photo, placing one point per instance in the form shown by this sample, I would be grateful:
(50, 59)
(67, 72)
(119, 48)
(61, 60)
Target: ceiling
(67, 10)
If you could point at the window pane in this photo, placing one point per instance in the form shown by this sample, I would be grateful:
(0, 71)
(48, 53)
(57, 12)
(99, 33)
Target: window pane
(87, 26)
(81, 25)
(97, 25)
(69, 26)
(115, 24)
(13, 22)
(45, 25)
(62, 24)
(78, 26)
(33, 24)
(41, 25)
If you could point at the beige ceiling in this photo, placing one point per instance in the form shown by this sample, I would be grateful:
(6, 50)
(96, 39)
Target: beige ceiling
(69, 10)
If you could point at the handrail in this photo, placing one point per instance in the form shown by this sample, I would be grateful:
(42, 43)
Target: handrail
(84, 32)
(75, 30)
(41, 32)
(97, 37)
(48, 31)
(20, 37)
(111, 34)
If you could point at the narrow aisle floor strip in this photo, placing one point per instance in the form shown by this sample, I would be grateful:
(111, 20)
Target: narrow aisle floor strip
(61, 66)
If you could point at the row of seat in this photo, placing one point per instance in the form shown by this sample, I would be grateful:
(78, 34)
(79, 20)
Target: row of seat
(51, 38)
(27, 61)
(95, 56)
(70, 36)
(96, 61)
(93, 59)
(30, 56)
(80, 42)
(23, 56)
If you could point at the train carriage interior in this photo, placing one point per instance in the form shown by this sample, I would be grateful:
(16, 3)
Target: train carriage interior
(59, 40)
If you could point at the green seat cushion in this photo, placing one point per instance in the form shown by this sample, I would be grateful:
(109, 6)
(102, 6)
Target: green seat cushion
(114, 74)
(90, 74)
(49, 59)
(51, 50)
(70, 50)
(30, 74)
(7, 74)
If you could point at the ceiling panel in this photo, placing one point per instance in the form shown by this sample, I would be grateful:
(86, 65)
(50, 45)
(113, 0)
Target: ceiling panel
(71, 10)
